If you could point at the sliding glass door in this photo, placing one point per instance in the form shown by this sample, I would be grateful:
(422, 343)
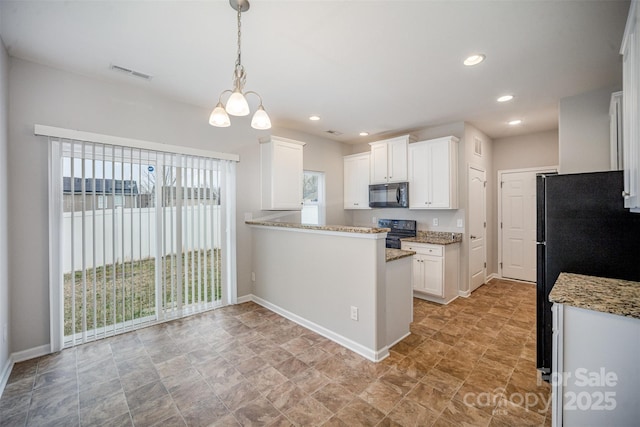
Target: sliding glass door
(140, 236)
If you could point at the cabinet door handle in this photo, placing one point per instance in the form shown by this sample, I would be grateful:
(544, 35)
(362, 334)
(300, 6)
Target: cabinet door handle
(473, 237)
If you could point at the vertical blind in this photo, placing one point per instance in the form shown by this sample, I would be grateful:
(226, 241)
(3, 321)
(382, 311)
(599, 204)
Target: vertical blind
(142, 237)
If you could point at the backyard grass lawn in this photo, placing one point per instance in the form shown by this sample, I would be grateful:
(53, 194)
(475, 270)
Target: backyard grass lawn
(126, 291)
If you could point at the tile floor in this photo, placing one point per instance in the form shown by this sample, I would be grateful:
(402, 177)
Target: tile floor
(471, 362)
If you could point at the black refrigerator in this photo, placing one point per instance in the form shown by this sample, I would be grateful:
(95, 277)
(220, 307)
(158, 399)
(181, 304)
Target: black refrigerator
(582, 227)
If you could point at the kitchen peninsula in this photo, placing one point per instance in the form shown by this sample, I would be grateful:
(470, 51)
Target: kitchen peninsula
(339, 281)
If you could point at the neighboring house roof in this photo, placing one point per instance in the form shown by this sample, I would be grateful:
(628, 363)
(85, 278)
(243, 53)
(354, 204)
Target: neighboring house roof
(102, 185)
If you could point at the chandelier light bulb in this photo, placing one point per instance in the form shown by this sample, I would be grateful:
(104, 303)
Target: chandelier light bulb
(261, 119)
(219, 117)
(237, 104)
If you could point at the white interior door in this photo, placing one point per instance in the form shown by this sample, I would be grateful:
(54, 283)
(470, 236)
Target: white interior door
(518, 224)
(477, 227)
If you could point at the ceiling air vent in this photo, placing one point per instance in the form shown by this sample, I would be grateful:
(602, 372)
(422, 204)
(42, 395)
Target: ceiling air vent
(131, 72)
(334, 132)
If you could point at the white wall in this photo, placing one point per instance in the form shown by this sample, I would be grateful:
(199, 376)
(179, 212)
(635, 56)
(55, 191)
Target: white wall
(4, 208)
(48, 96)
(532, 150)
(539, 149)
(584, 131)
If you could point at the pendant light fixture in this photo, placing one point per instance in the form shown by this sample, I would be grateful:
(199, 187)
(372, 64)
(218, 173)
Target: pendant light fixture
(237, 104)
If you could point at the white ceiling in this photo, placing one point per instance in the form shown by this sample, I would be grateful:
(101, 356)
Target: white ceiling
(376, 66)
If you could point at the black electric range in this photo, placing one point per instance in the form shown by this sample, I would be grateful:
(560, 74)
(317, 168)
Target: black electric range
(400, 229)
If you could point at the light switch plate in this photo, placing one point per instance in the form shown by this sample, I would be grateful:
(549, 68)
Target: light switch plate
(459, 223)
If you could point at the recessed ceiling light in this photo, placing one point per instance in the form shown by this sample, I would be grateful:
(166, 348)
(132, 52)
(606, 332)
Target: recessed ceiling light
(515, 122)
(314, 118)
(505, 98)
(474, 59)
(364, 133)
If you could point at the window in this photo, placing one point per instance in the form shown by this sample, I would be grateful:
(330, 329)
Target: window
(118, 200)
(313, 209)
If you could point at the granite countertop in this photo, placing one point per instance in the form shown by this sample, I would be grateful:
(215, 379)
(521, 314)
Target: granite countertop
(614, 296)
(339, 228)
(435, 238)
(394, 254)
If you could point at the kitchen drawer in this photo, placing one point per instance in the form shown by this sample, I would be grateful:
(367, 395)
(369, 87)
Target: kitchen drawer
(433, 250)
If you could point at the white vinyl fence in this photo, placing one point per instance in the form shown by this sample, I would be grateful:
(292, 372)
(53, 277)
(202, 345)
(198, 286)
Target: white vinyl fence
(134, 234)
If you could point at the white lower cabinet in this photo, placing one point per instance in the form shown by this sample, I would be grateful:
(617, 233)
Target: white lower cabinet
(595, 374)
(434, 272)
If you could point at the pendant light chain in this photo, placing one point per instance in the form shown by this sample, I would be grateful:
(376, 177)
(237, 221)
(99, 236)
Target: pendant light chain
(238, 60)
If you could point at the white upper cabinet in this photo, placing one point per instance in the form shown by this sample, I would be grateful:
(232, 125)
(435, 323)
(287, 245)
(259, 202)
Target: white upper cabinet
(631, 108)
(356, 181)
(433, 174)
(615, 131)
(281, 171)
(389, 160)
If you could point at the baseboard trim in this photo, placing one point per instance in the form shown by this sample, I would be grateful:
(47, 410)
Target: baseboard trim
(398, 340)
(4, 375)
(493, 276)
(21, 356)
(31, 353)
(373, 355)
(498, 276)
(244, 298)
(464, 294)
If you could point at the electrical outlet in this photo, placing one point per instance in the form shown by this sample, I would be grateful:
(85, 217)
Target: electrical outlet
(374, 220)
(459, 223)
(248, 216)
(253, 276)
(354, 313)
(435, 222)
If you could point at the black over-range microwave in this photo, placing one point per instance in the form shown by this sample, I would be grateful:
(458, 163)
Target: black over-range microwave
(392, 195)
